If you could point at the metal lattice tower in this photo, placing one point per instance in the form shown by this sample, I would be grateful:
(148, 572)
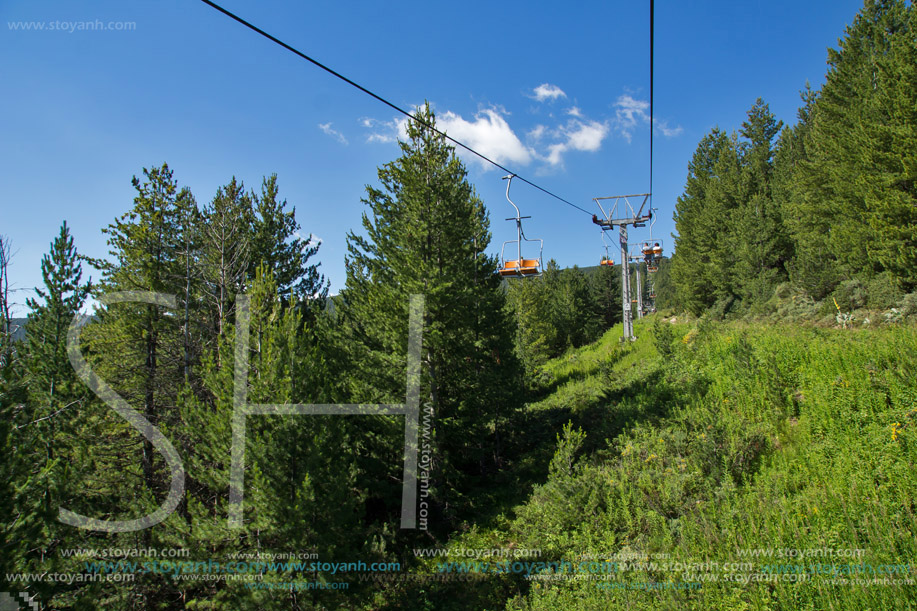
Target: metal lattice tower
(620, 215)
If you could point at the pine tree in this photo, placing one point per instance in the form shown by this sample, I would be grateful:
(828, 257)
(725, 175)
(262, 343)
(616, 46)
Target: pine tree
(226, 245)
(52, 381)
(45, 431)
(892, 200)
(426, 233)
(605, 288)
(857, 179)
(759, 238)
(277, 244)
(140, 350)
(700, 216)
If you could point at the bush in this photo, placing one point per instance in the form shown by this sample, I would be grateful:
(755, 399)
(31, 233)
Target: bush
(908, 305)
(791, 304)
(850, 295)
(884, 291)
(663, 338)
(720, 308)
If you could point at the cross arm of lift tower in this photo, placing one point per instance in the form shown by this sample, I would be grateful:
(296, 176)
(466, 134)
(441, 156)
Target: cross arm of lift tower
(622, 213)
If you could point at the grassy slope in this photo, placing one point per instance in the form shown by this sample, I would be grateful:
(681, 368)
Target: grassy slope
(740, 437)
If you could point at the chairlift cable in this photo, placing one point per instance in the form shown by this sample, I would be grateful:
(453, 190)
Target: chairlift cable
(391, 105)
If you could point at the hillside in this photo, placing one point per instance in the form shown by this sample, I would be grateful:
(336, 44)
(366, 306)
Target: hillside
(710, 466)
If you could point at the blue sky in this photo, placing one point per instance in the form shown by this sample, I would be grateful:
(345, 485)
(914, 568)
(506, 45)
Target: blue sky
(555, 92)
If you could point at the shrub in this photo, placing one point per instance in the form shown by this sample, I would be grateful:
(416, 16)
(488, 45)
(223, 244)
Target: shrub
(850, 295)
(883, 291)
(908, 305)
(663, 338)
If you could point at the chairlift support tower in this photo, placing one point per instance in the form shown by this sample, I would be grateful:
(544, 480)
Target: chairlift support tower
(639, 295)
(620, 215)
(650, 253)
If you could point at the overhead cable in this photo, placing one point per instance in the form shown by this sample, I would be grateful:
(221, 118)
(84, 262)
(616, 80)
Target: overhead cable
(386, 102)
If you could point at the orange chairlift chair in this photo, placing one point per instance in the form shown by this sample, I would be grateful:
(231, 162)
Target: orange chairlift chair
(606, 260)
(519, 267)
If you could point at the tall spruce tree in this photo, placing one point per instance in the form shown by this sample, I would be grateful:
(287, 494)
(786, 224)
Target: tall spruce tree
(52, 381)
(140, 350)
(426, 232)
(856, 185)
(276, 243)
(759, 239)
(605, 289)
(812, 267)
(47, 429)
(696, 271)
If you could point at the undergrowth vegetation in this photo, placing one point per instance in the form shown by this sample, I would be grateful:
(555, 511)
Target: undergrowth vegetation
(705, 461)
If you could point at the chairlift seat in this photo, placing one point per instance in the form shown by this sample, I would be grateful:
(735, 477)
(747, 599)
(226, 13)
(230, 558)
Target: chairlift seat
(525, 267)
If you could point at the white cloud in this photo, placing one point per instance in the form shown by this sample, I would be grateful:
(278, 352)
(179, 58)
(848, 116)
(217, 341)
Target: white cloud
(537, 133)
(669, 132)
(386, 131)
(546, 91)
(577, 136)
(326, 127)
(587, 136)
(488, 134)
(630, 112)
(312, 240)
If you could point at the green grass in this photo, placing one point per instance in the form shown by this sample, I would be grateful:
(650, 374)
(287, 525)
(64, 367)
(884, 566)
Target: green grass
(745, 437)
(742, 437)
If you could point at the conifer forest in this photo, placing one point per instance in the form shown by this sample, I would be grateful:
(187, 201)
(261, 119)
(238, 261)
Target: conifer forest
(197, 421)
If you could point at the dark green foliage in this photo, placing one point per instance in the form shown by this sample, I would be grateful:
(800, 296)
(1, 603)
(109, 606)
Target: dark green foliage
(562, 309)
(13, 469)
(425, 233)
(50, 376)
(666, 297)
(696, 273)
(47, 428)
(857, 179)
(832, 200)
(759, 238)
(605, 299)
(883, 291)
(662, 337)
(732, 243)
(67, 450)
(276, 245)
